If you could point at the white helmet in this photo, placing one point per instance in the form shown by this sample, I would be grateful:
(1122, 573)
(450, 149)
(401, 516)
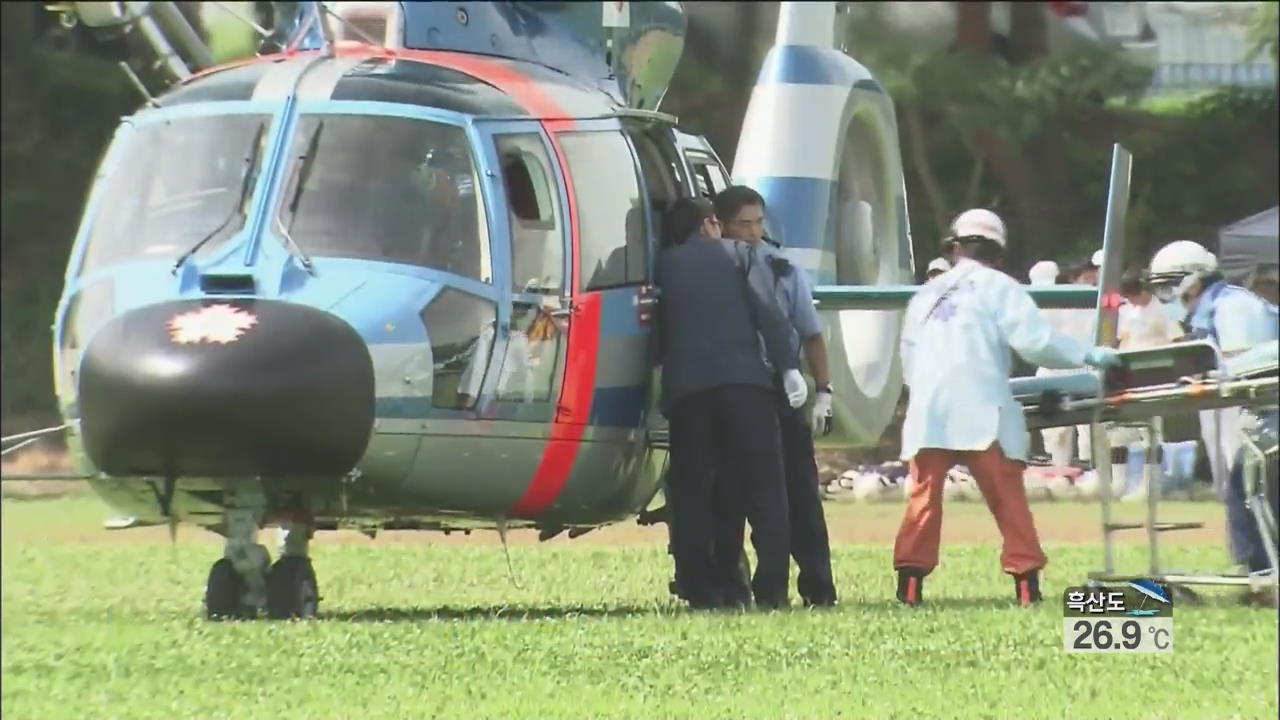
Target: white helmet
(979, 222)
(1179, 259)
(1044, 272)
(1096, 260)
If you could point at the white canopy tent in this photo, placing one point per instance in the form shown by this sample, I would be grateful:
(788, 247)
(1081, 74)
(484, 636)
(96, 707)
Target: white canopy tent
(1249, 246)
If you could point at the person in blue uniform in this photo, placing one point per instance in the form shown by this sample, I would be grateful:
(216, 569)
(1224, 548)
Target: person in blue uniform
(740, 210)
(1235, 320)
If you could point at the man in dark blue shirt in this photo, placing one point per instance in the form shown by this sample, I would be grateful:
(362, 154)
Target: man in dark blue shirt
(720, 345)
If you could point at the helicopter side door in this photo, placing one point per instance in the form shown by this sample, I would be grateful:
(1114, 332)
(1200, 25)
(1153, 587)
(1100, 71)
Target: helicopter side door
(613, 268)
(593, 439)
(530, 356)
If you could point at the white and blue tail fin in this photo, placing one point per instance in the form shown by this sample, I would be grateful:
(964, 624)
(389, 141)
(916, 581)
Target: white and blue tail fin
(820, 143)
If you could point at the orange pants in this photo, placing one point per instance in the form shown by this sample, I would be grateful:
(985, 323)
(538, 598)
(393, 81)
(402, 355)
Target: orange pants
(999, 479)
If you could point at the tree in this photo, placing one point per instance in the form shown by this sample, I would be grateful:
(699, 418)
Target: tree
(56, 114)
(984, 122)
(1264, 32)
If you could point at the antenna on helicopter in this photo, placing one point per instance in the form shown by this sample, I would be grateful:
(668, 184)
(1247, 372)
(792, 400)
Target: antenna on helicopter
(502, 535)
(325, 29)
(137, 83)
(265, 33)
(346, 23)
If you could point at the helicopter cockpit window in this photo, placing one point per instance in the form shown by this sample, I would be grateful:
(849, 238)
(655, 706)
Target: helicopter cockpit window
(389, 189)
(610, 221)
(661, 179)
(537, 245)
(176, 183)
(708, 180)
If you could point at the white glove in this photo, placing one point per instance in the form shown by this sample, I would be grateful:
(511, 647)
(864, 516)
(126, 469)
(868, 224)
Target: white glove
(793, 384)
(821, 414)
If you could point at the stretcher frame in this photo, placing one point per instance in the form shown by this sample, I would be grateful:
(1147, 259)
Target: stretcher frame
(1143, 407)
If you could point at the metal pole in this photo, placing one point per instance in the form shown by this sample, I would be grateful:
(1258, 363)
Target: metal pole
(325, 29)
(18, 447)
(1105, 324)
(1254, 470)
(263, 32)
(35, 433)
(1102, 449)
(1150, 465)
(167, 55)
(171, 19)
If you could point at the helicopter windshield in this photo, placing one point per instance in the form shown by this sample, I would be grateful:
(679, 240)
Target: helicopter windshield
(388, 189)
(176, 182)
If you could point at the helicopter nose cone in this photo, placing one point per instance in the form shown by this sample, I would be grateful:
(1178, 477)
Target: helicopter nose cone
(226, 388)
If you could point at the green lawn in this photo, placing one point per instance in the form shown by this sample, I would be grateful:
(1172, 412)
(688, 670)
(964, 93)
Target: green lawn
(111, 628)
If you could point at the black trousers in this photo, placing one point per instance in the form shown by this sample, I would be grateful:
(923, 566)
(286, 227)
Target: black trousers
(810, 545)
(733, 427)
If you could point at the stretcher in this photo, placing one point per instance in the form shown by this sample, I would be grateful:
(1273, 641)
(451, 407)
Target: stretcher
(1166, 380)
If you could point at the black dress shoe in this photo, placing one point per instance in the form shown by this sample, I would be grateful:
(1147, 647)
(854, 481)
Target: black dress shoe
(824, 600)
(773, 603)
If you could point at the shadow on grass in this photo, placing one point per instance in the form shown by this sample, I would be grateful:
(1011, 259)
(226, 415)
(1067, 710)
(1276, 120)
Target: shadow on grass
(495, 612)
(525, 612)
(941, 603)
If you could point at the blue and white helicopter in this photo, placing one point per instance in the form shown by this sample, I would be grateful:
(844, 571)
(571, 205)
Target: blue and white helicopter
(396, 273)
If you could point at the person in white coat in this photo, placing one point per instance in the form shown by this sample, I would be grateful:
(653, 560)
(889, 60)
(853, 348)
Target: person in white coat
(956, 347)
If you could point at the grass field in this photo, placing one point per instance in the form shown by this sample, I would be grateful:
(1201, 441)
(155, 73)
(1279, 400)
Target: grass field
(107, 625)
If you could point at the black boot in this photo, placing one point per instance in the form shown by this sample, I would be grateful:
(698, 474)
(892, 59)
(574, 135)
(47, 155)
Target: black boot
(1026, 588)
(910, 586)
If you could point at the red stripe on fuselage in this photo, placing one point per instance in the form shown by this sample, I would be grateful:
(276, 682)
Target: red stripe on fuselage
(256, 60)
(503, 76)
(580, 369)
(568, 427)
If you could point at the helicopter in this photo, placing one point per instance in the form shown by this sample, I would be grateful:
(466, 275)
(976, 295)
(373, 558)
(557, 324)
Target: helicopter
(396, 274)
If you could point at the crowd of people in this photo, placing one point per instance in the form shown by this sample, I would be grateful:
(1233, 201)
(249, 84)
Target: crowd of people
(736, 319)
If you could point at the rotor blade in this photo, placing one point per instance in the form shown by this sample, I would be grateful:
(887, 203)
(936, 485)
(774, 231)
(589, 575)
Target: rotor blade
(896, 297)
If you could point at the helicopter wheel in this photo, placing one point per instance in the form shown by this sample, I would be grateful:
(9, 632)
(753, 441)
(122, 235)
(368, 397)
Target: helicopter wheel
(291, 589)
(224, 593)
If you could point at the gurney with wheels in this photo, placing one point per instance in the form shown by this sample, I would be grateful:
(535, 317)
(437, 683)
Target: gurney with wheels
(1166, 380)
